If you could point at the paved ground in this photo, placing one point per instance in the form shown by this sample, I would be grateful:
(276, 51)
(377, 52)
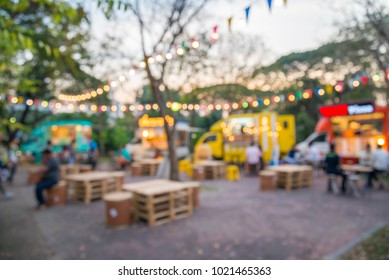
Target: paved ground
(234, 221)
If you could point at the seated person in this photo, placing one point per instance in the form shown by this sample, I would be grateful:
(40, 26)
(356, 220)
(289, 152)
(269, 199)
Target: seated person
(380, 164)
(124, 158)
(49, 179)
(291, 158)
(332, 165)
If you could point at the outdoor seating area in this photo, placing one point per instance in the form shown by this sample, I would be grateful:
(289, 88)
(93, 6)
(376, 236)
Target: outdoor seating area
(193, 130)
(147, 209)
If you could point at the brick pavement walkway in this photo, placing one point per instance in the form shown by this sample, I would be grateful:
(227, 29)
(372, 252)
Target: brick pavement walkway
(234, 221)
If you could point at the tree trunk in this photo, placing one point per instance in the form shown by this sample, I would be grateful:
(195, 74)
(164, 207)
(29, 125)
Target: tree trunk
(101, 136)
(169, 130)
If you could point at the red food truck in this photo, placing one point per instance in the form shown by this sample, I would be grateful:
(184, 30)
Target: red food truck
(350, 127)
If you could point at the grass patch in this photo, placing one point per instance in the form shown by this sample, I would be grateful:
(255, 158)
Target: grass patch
(374, 248)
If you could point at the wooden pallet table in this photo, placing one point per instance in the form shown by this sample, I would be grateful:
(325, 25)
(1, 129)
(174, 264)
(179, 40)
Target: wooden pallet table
(161, 201)
(118, 178)
(293, 176)
(213, 169)
(91, 185)
(149, 166)
(67, 169)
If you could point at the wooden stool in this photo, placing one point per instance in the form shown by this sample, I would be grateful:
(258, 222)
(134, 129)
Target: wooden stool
(233, 173)
(118, 208)
(195, 195)
(136, 169)
(198, 174)
(57, 195)
(267, 180)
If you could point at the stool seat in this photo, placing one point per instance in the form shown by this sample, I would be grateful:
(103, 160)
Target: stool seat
(268, 180)
(57, 194)
(233, 173)
(118, 208)
(198, 174)
(117, 196)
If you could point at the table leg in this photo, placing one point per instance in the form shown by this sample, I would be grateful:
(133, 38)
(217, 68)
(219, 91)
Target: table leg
(88, 192)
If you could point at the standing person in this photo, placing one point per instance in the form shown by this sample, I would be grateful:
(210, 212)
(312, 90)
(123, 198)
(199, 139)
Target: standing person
(49, 145)
(379, 163)
(253, 155)
(3, 174)
(72, 151)
(93, 152)
(64, 155)
(12, 161)
(332, 165)
(49, 179)
(261, 162)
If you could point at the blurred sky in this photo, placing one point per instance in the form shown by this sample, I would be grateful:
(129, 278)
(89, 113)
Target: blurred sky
(301, 25)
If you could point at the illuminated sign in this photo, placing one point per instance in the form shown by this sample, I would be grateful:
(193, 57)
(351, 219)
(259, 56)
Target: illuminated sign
(346, 109)
(359, 109)
(145, 121)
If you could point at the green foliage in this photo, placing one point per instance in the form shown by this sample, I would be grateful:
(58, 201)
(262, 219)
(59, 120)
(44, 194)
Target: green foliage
(39, 41)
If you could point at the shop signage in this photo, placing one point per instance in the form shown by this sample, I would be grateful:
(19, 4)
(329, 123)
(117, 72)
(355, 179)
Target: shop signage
(145, 121)
(346, 109)
(357, 109)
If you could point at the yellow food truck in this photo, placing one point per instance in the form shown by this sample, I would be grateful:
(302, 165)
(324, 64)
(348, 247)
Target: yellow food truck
(228, 138)
(150, 137)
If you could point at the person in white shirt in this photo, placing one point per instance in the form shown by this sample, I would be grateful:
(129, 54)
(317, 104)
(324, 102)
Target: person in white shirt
(253, 157)
(379, 162)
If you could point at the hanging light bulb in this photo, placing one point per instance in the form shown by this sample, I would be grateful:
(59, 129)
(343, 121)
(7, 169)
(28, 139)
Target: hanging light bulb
(169, 56)
(195, 44)
(180, 51)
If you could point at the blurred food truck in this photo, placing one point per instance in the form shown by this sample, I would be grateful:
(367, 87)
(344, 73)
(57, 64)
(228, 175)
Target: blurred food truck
(59, 133)
(350, 127)
(228, 138)
(150, 137)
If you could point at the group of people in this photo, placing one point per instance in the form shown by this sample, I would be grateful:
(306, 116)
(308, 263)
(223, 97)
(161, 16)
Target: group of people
(378, 160)
(52, 163)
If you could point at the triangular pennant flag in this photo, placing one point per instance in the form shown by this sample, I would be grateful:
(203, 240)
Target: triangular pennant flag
(269, 2)
(285, 2)
(215, 29)
(247, 10)
(229, 24)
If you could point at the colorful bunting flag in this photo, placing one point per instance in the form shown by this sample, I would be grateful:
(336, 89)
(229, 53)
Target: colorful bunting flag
(247, 11)
(229, 24)
(269, 2)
